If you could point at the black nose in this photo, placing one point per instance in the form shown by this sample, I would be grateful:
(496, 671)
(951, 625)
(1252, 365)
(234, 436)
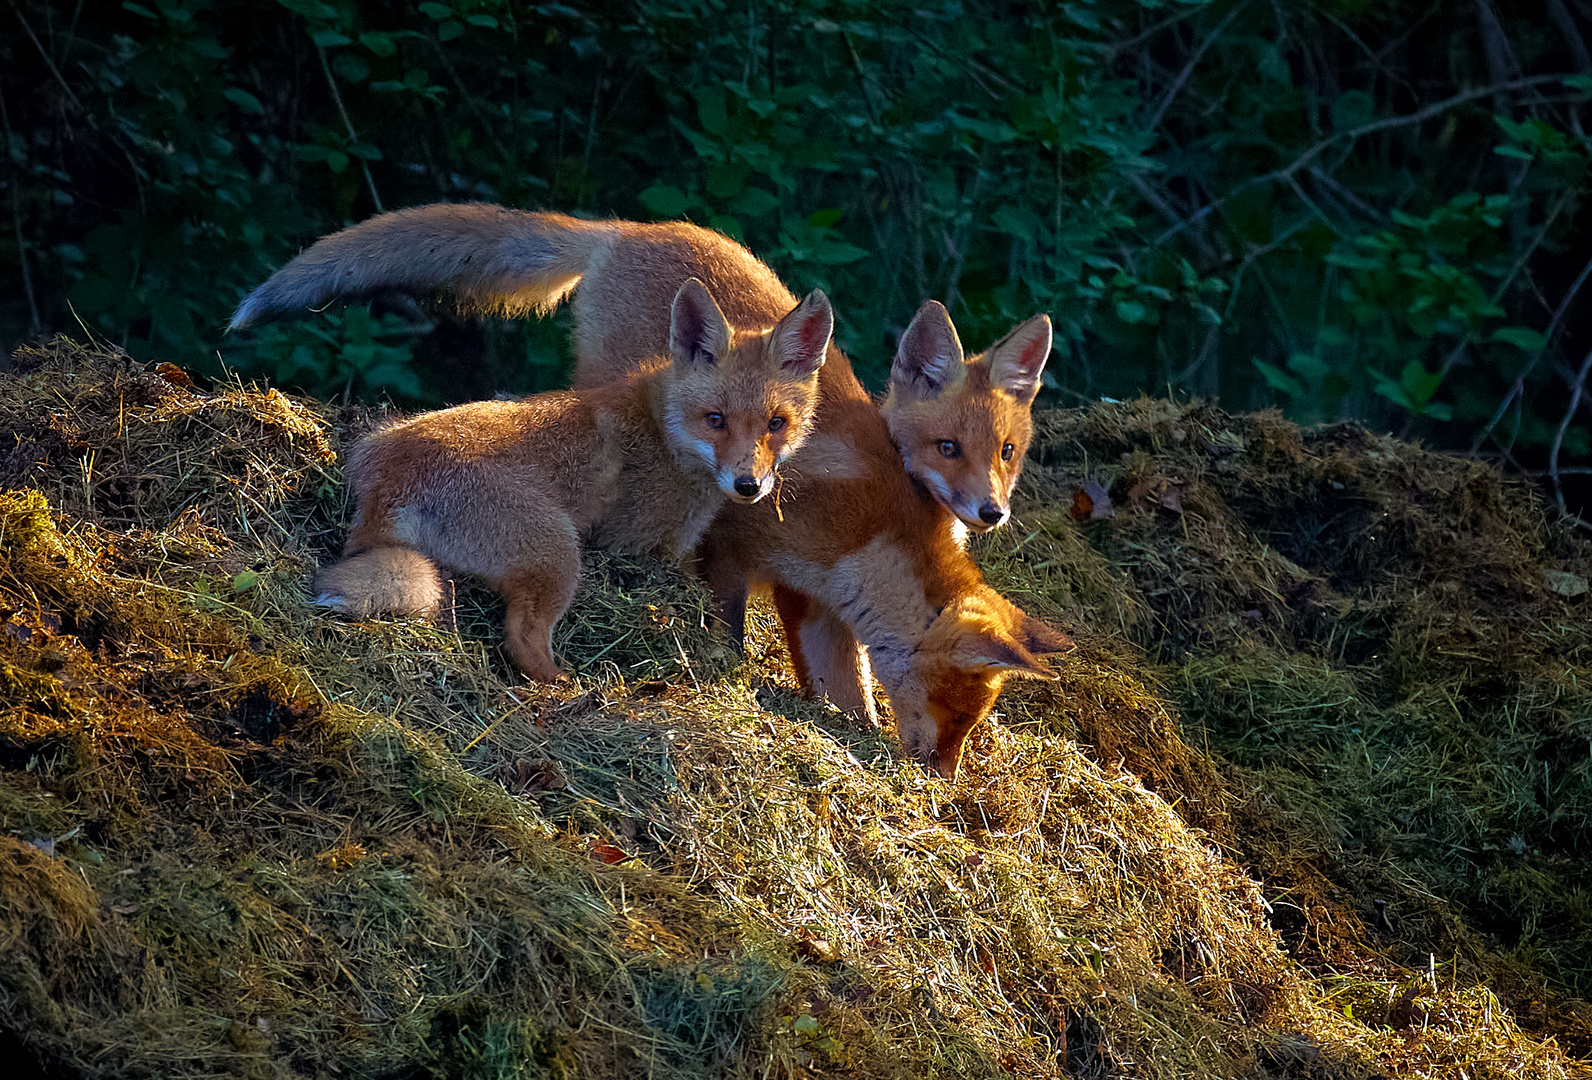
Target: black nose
(746, 486)
(991, 514)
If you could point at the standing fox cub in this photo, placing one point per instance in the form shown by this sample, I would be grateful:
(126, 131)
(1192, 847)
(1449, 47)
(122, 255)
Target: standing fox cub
(509, 489)
(868, 572)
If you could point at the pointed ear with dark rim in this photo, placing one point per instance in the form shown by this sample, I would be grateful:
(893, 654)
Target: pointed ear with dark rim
(994, 651)
(698, 332)
(1041, 639)
(1017, 360)
(928, 361)
(800, 341)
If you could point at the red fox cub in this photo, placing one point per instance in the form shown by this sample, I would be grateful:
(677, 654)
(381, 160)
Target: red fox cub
(510, 489)
(963, 426)
(858, 555)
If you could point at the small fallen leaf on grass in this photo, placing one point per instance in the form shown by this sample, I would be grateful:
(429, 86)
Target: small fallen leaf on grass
(819, 949)
(607, 852)
(1566, 584)
(1091, 502)
(173, 374)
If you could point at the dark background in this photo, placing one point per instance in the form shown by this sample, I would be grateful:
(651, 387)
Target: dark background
(1344, 208)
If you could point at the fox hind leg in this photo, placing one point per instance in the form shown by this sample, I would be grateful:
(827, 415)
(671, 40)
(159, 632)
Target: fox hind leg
(828, 661)
(539, 589)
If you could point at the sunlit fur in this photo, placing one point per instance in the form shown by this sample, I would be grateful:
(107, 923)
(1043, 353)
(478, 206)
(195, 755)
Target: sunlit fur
(510, 489)
(854, 553)
(979, 406)
(871, 559)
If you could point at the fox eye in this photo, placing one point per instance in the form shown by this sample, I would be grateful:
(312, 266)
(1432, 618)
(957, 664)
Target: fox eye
(715, 421)
(776, 423)
(1007, 451)
(950, 448)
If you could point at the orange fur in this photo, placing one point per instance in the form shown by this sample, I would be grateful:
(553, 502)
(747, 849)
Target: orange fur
(858, 556)
(510, 489)
(963, 425)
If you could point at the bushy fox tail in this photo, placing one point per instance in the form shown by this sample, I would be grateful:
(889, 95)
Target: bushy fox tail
(484, 258)
(385, 579)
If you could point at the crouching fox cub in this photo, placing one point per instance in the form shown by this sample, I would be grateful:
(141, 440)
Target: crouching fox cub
(510, 489)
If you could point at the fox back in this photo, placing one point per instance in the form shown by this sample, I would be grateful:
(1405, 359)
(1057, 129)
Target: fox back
(873, 561)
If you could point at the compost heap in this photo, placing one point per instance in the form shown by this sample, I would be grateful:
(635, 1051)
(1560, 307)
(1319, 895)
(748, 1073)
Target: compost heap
(1307, 801)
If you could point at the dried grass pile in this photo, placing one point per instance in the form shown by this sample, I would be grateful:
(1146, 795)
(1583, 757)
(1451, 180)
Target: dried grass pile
(239, 837)
(1391, 649)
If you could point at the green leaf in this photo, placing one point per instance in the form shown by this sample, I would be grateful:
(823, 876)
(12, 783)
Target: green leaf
(1131, 311)
(395, 377)
(1391, 390)
(1581, 84)
(726, 181)
(244, 581)
(310, 9)
(754, 202)
(243, 100)
(824, 219)
(330, 39)
(1278, 379)
(1018, 221)
(450, 30)
(1309, 366)
(139, 9)
(437, 12)
(806, 1024)
(351, 67)
(379, 43)
(712, 111)
(1353, 109)
(836, 253)
(486, 22)
(336, 160)
(665, 200)
(1521, 337)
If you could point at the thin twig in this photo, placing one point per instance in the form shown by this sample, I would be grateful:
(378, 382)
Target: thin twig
(1576, 395)
(1112, 49)
(48, 62)
(1418, 117)
(1188, 68)
(35, 324)
(353, 137)
(1520, 380)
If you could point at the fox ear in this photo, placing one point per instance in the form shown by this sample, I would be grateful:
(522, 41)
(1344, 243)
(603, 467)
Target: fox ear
(800, 341)
(698, 332)
(1040, 639)
(994, 651)
(1016, 360)
(929, 359)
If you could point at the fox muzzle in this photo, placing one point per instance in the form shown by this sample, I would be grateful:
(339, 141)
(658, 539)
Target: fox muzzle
(745, 487)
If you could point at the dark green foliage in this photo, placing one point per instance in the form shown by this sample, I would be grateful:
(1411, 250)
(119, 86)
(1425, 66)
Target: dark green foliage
(1350, 208)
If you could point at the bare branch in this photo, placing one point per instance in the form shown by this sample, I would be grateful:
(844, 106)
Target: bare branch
(1418, 117)
(1577, 393)
(1520, 380)
(48, 62)
(353, 137)
(1188, 68)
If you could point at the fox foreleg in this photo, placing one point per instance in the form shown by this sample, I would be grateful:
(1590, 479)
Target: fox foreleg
(828, 661)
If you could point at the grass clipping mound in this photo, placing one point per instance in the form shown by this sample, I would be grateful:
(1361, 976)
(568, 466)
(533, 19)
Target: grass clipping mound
(243, 838)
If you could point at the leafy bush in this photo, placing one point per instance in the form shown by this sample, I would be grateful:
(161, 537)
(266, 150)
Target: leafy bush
(1348, 208)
